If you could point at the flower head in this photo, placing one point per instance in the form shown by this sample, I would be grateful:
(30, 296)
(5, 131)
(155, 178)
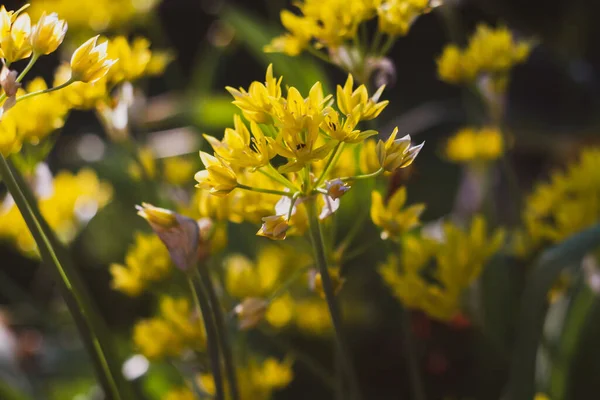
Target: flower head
(397, 153)
(471, 145)
(391, 217)
(90, 61)
(47, 34)
(218, 177)
(357, 101)
(15, 30)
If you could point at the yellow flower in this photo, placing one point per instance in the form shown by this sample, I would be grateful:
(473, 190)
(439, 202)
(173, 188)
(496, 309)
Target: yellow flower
(541, 396)
(257, 103)
(312, 316)
(10, 142)
(433, 274)
(280, 312)
(368, 159)
(80, 95)
(147, 261)
(396, 16)
(344, 129)
(274, 227)
(174, 330)
(89, 62)
(67, 203)
(273, 374)
(134, 60)
(357, 102)
(397, 153)
(451, 66)
(391, 217)
(218, 177)
(468, 145)
(15, 29)
(178, 170)
(47, 34)
(179, 394)
(145, 167)
(241, 149)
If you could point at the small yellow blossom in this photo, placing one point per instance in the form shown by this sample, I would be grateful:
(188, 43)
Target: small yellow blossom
(391, 217)
(348, 99)
(397, 153)
(274, 227)
(312, 316)
(541, 396)
(368, 159)
(15, 30)
(471, 145)
(10, 142)
(179, 394)
(280, 311)
(218, 177)
(396, 16)
(47, 34)
(79, 95)
(432, 274)
(177, 170)
(134, 60)
(90, 61)
(147, 261)
(174, 330)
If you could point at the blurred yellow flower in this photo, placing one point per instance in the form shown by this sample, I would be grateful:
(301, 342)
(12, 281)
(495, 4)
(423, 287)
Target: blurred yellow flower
(312, 316)
(147, 262)
(179, 394)
(475, 145)
(10, 142)
(145, 166)
(174, 330)
(178, 170)
(69, 201)
(134, 60)
(396, 16)
(392, 218)
(79, 95)
(90, 61)
(432, 274)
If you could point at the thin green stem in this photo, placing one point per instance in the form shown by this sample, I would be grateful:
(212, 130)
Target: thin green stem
(94, 333)
(334, 309)
(412, 359)
(366, 176)
(30, 65)
(277, 177)
(376, 42)
(268, 191)
(230, 370)
(49, 90)
(329, 163)
(212, 340)
(387, 45)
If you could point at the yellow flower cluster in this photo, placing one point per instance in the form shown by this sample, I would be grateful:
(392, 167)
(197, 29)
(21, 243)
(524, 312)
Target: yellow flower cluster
(309, 134)
(177, 328)
(255, 283)
(95, 15)
(567, 204)
(490, 51)
(69, 202)
(147, 261)
(391, 218)
(332, 24)
(475, 145)
(257, 380)
(457, 259)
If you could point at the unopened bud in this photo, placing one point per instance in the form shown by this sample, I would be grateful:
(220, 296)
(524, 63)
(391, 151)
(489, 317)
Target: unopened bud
(250, 312)
(337, 188)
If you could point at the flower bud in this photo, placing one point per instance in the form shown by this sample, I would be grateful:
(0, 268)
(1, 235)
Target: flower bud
(89, 62)
(47, 34)
(250, 312)
(337, 188)
(274, 227)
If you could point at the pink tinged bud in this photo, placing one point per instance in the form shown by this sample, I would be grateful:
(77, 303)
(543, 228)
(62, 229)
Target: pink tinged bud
(250, 312)
(337, 188)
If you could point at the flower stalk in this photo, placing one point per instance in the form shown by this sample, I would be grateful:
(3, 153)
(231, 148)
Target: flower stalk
(93, 331)
(334, 309)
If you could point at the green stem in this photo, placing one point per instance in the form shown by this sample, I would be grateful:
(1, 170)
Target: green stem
(366, 176)
(278, 178)
(94, 332)
(230, 371)
(52, 89)
(334, 309)
(328, 164)
(389, 42)
(31, 63)
(268, 191)
(412, 358)
(212, 341)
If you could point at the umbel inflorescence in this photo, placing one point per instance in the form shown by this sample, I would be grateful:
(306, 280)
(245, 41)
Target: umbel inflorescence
(288, 150)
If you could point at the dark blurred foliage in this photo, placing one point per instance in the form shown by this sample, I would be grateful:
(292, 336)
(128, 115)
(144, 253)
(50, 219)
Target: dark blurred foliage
(555, 93)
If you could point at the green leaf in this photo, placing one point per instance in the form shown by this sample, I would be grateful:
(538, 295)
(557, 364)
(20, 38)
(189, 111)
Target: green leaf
(302, 72)
(521, 384)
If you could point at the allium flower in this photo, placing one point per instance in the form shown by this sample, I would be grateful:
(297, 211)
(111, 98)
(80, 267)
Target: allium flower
(90, 61)
(218, 177)
(47, 34)
(392, 218)
(348, 99)
(274, 227)
(397, 153)
(15, 29)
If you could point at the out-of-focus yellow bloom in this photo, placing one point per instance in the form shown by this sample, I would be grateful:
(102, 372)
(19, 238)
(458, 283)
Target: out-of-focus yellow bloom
(145, 167)
(147, 261)
(312, 316)
(174, 330)
(368, 159)
(38, 116)
(397, 153)
(336, 280)
(393, 220)
(280, 312)
(15, 29)
(457, 258)
(475, 145)
(72, 200)
(218, 177)
(177, 170)
(396, 16)
(490, 51)
(134, 60)
(94, 15)
(567, 204)
(541, 396)
(357, 101)
(47, 34)
(10, 142)
(179, 394)
(257, 380)
(90, 61)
